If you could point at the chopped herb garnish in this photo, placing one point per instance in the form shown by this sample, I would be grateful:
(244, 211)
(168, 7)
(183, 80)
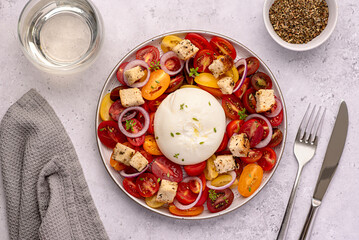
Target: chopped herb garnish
(168, 174)
(102, 129)
(176, 155)
(249, 189)
(156, 137)
(182, 160)
(186, 106)
(157, 81)
(177, 133)
(158, 179)
(110, 129)
(213, 195)
(195, 119)
(242, 114)
(172, 135)
(130, 124)
(193, 72)
(209, 103)
(214, 129)
(250, 175)
(181, 106)
(142, 179)
(155, 66)
(201, 143)
(152, 87)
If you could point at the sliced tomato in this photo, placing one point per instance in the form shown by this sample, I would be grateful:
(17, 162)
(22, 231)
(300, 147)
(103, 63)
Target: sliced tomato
(240, 92)
(134, 126)
(195, 169)
(184, 194)
(265, 127)
(166, 169)
(154, 104)
(268, 159)
(203, 59)
(119, 73)
(214, 91)
(156, 85)
(206, 79)
(109, 134)
(254, 131)
(218, 200)
(147, 184)
(198, 41)
(194, 211)
(116, 109)
(232, 106)
(249, 100)
(223, 47)
(173, 64)
(253, 156)
(115, 93)
(233, 127)
(175, 83)
(261, 81)
(252, 66)
(149, 54)
(150, 146)
(250, 179)
(277, 138)
(146, 155)
(203, 197)
(130, 186)
(169, 42)
(277, 120)
(151, 128)
(224, 143)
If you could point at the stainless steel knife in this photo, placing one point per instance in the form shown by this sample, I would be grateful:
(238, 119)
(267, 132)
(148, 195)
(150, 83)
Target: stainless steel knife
(330, 163)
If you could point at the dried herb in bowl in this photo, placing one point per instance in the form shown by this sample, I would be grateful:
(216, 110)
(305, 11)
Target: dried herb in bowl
(298, 21)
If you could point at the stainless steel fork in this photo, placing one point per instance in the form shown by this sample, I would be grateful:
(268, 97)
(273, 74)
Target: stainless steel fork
(305, 146)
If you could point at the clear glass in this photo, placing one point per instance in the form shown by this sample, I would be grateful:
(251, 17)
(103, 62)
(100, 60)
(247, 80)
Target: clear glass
(62, 36)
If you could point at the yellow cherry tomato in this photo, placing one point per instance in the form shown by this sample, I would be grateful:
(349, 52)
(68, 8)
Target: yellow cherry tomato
(206, 79)
(210, 171)
(169, 42)
(221, 180)
(151, 146)
(156, 85)
(233, 73)
(105, 107)
(189, 86)
(250, 179)
(151, 201)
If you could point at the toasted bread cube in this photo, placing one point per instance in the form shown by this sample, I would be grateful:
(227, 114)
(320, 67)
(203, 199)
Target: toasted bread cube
(167, 191)
(265, 100)
(239, 145)
(185, 49)
(123, 154)
(226, 85)
(134, 74)
(138, 161)
(224, 163)
(131, 97)
(221, 65)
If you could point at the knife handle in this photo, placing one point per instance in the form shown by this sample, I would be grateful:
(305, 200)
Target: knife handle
(308, 225)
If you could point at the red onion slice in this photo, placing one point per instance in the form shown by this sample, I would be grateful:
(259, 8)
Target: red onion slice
(276, 111)
(167, 56)
(145, 126)
(265, 141)
(132, 175)
(240, 62)
(187, 65)
(233, 175)
(133, 64)
(185, 207)
(129, 116)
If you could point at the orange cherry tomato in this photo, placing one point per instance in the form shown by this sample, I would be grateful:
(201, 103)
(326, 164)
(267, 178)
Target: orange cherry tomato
(250, 179)
(150, 146)
(156, 85)
(116, 165)
(194, 211)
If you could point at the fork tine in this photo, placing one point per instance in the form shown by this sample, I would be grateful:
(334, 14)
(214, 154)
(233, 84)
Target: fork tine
(299, 133)
(309, 123)
(313, 126)
(319, 128)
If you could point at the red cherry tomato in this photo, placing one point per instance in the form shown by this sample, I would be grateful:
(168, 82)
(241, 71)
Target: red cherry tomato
(223, 47)
(175, 83)
(119, 73)
(165, 169)
(146, 154)
(203, 197)
(223, 143)
(115, 93)
(116, 109)
(253, 156)
(265, 127)
(232, 106)
(195, 169)
(148, 54)
(277, 138)
(154, 104)
(130, 187)
(218, 200)
(261, 81)
(109, 134)
(249, 100)
(203, 59)
(147, 184)
(233, 127)
(240, 92)
(134, 126)
(184, 194)
(151, 128)
(198, 41)
(254, 131)
(277, 120)
(214, 91)
(268, 159)
(173, 64)
(252, 66)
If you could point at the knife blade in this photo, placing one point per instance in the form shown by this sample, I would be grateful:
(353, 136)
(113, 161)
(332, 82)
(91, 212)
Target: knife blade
(330, 164)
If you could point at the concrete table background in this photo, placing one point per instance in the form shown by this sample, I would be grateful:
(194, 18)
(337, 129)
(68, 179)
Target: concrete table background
(324, 76)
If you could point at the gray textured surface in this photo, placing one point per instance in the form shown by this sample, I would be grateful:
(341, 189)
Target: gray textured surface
(324, 75)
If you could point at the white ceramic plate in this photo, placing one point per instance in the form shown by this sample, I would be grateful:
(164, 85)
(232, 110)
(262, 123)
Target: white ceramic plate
(112, 82)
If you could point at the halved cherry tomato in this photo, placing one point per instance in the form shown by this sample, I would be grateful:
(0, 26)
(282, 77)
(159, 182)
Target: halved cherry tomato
(150, 146)
(152, 202)
(173, 64)
(254, 131)
(223, 144)
(175, 83)
(261, 81)
(149, 54)
(233, 73)
(194, 186)
(203, 59)
(249, 100)
(154, 104)
(265, 127)
(203, 197)
(223, 47)
(232, 106)
(146, 155)
(109, 134)
(118, 166)
(253, 156)
(195, 169)
(206, 79)
(147, 184)
(194, 211)
(119, 73)
(214, 91)
(134, 126)
(169, 42)
(130, 186)
(233, 127)
(116, 109)
(277, 120)
(151, 128)
(240, 92)
(252, 66)
(105, 107)
(277, 138)
(268, 159)
(198, 41)
(156, 85)
(184, 194)
(250, 179)
(218, 200)
(166, 169)
(115, 93)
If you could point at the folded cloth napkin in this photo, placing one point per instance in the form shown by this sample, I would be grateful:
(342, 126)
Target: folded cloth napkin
(46, 193)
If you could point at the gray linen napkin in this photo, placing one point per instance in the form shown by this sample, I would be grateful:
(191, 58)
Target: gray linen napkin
(46, 193)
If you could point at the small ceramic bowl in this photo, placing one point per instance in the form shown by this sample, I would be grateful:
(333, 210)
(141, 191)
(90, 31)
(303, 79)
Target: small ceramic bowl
(321, 38)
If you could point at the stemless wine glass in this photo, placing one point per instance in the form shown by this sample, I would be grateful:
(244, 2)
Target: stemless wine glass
(60, 36)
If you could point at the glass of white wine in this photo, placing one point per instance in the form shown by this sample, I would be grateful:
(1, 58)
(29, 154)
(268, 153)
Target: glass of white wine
(60, 36)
